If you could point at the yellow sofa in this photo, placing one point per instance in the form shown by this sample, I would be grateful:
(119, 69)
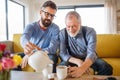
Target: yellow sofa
(108, 48)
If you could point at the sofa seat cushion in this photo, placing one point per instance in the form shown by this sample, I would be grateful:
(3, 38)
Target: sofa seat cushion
(115, 62)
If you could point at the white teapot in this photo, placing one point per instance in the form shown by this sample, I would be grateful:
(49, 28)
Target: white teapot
(39, 60)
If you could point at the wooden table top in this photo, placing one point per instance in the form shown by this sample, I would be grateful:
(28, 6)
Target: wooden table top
(22, 75)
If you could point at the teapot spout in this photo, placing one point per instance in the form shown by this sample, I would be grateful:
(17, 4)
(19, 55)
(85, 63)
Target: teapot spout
(50, 62)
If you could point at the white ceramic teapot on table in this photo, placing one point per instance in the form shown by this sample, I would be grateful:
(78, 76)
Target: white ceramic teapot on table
(39, 60)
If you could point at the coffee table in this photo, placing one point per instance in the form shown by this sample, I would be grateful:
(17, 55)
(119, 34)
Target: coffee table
(22, 75)
(93, 77)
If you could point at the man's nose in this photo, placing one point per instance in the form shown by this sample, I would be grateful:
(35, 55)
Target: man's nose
(71, 28)
(50, 17)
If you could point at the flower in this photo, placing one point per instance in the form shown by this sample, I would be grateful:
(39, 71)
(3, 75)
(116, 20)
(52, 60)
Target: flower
(7, 60)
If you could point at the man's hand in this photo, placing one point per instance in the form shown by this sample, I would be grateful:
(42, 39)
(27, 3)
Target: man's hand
(79, 62)
(29, 47)
(76, 71)
(28, 50)
(80, 70)
(25, 61)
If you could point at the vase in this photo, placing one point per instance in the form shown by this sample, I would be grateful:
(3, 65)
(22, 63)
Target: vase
(4, 75)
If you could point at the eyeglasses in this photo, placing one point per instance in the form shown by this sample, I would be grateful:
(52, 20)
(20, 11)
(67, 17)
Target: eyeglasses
(48, 14)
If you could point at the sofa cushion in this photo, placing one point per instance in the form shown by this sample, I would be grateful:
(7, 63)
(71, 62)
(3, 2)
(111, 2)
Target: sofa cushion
(108, 45)
(115, 63)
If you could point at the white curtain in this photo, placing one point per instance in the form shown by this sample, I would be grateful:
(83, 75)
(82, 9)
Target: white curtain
(110, 19)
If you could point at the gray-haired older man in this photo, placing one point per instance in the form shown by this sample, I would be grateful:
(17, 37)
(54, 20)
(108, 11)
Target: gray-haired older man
(77, 48)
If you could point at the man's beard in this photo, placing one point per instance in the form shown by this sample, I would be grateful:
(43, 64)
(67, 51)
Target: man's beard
(73, 35)
(46, 22)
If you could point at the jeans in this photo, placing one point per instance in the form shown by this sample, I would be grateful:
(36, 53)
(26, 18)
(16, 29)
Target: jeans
(102, 67)
(53, 57)
(99, 66)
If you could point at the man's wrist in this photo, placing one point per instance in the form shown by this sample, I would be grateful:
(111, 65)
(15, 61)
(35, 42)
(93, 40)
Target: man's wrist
(46, 51)
(78, 62)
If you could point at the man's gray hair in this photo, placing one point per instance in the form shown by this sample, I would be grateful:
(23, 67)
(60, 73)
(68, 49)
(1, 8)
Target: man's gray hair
(75, 14)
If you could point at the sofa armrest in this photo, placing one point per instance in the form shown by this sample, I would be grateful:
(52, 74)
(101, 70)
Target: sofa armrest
(9, 45)
(16, 46)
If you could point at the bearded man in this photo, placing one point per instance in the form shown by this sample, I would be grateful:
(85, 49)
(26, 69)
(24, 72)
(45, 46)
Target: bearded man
(77, 48)
(42, 35)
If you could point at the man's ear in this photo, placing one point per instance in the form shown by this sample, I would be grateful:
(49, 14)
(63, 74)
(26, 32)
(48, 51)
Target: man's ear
(40, 11)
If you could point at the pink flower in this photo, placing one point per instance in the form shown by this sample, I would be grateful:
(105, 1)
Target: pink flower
(7, 63)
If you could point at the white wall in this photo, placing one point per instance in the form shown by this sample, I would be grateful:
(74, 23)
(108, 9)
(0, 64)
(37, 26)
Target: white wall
(34, 11)
(78, 2)
(74, 2)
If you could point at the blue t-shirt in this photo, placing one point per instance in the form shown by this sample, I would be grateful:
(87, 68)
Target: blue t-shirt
(45, 39)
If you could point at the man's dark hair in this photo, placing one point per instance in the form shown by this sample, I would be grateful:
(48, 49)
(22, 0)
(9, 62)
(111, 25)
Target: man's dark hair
(50, 4)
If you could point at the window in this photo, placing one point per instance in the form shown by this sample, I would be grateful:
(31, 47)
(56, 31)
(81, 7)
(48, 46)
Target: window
(15, 19)
(2, 20)
(11, 19)
(91, 15)
(60, 17)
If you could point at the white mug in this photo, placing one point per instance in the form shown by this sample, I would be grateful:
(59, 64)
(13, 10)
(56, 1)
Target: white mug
(61, 72)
